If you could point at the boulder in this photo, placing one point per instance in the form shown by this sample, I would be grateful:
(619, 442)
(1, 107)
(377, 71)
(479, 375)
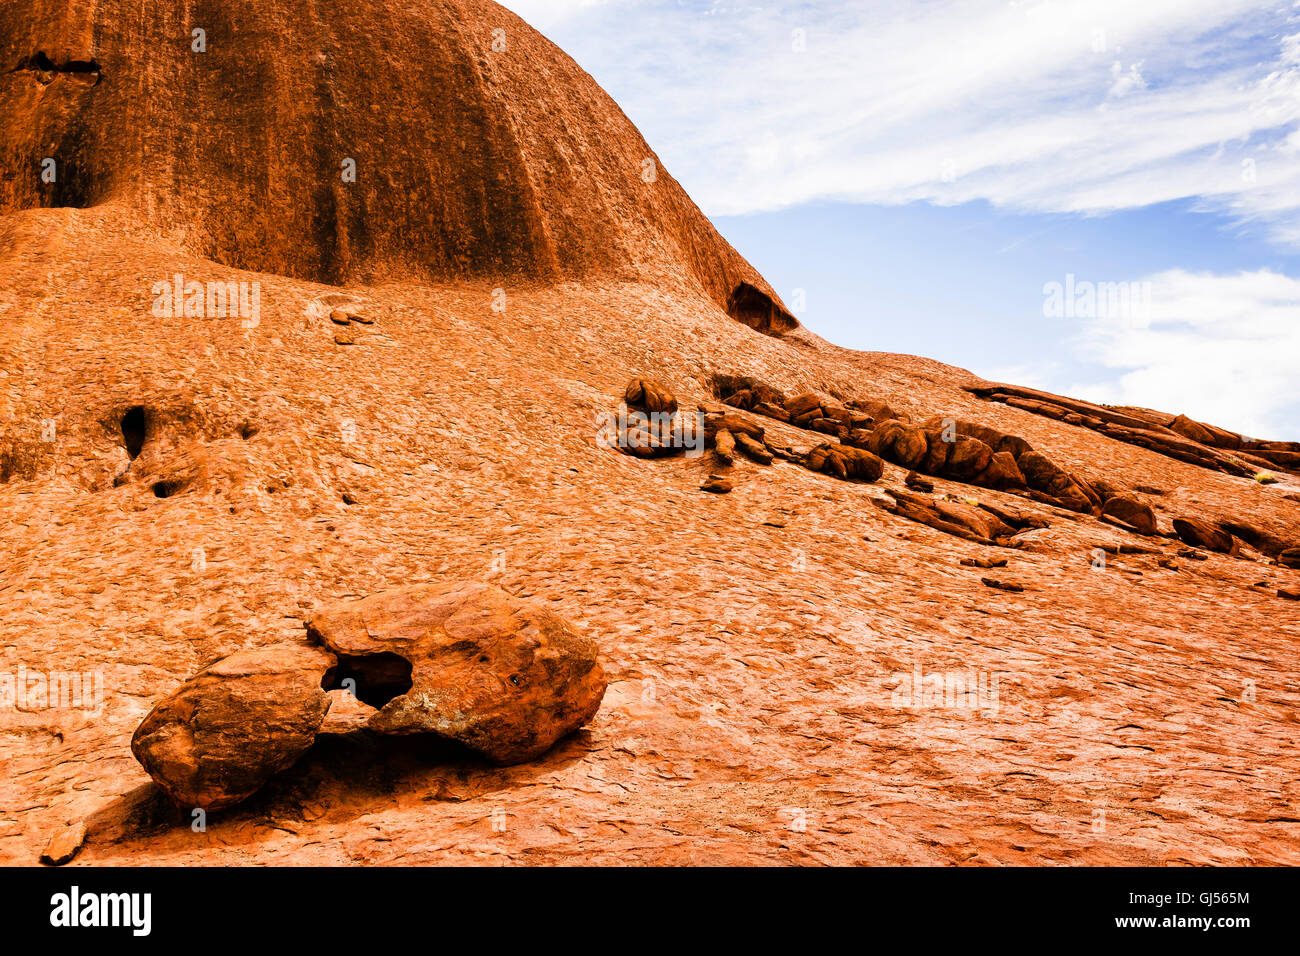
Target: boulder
(219, 737)
(1002, 473)
(904, 445)
(1131, 512)
(968, 459)
(956, 518)
(736, 424)
(503, 677)
(1205, 534)
(1045, 476)
(647, 394)
(845, 462)
(752, 449)
(1205, 434)
(802, 404)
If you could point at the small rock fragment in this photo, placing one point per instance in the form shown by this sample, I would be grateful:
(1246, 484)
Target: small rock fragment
(717, 485)
(985, 563)
(64, 845)
(1001, 585)
(917, 483)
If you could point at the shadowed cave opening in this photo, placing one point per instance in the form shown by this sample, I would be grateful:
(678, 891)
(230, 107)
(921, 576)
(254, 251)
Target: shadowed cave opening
(375, 678)
(134, 431)
(757, 309)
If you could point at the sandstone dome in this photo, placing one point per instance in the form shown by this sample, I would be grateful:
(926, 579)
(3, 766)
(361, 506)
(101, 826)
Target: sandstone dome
(771, 615)
(344, 142)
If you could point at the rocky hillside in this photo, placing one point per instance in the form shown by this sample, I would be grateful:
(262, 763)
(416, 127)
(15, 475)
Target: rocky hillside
(881, 611)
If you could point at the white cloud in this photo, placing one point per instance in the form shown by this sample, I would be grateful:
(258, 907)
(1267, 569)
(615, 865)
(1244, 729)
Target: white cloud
(1126, 82)
(1038, 106)
(1221, 348)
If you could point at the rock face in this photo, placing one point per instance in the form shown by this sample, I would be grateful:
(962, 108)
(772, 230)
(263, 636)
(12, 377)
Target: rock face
(217, 739)
(504, 120)
(505, 678)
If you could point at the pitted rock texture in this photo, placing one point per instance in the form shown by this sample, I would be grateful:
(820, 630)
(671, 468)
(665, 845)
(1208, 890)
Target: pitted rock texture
(216, 740)
(504, 678)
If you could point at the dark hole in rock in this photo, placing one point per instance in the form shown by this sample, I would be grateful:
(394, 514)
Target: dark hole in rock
(758, 310)
(165, 489)
(134, 430)
(42, 62)
(377, 678)
(247, 431)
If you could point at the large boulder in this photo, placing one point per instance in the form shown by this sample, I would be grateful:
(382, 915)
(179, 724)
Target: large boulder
(1002, 473)
(904, 445)
(845, 462)
(1131, 512)
(1205, 534)
(219, 737)
(467, 662)
(651, 396)
(1045, 476)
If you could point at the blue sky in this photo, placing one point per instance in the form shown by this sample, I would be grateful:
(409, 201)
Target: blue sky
(918, 174)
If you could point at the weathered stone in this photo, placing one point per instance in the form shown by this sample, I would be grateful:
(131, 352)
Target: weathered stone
(220, 736)
(845, 462)
(503, 677)
(64, 845)
(650, 396)
(904, 445)
(1138, 516)
(752, 449)
(1205, 534)
(724, 445)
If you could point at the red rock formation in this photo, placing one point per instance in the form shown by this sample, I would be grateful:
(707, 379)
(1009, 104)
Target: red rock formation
(178, 489)
(481, 150)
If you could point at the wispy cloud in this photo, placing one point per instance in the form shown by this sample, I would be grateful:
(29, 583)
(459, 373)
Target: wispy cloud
(1038, 106)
